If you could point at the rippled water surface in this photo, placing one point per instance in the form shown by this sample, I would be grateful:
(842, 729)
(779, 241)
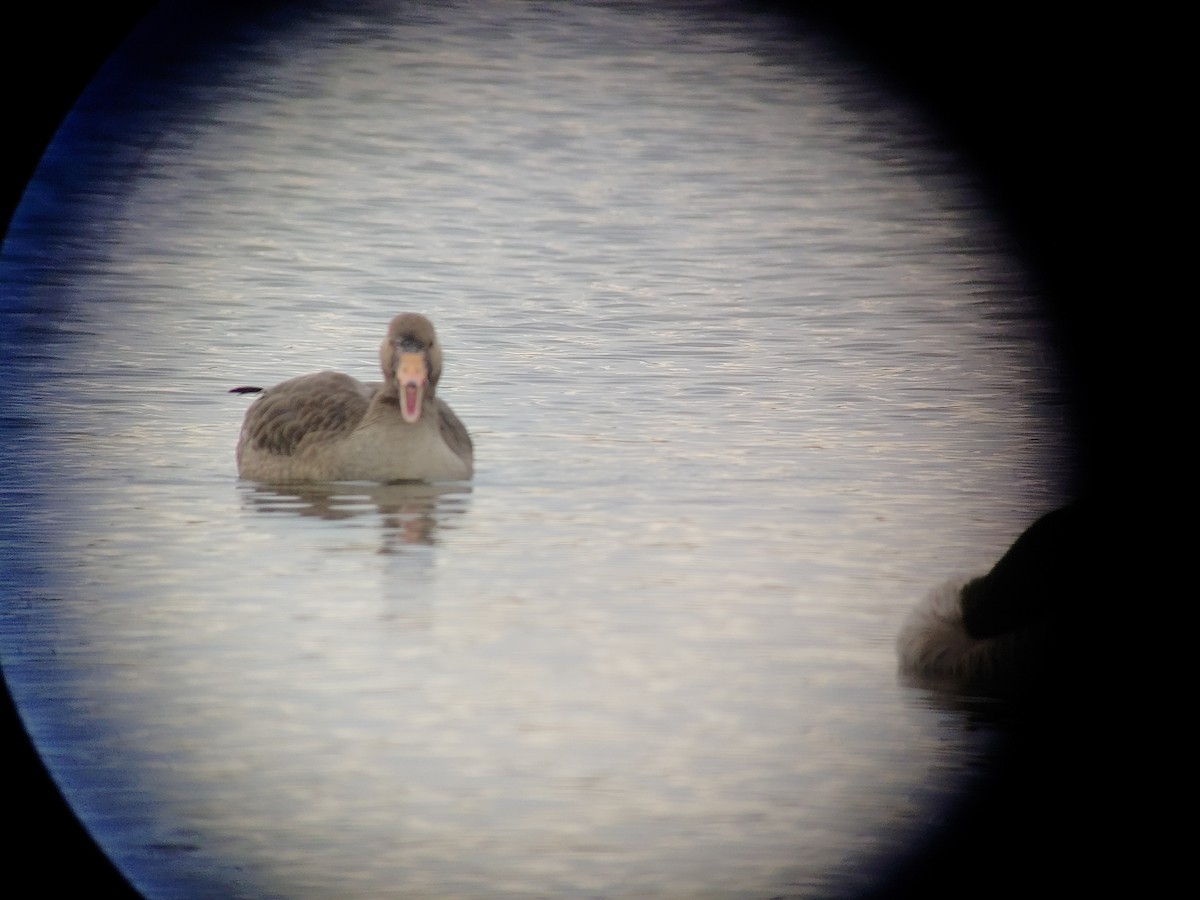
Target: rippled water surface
(749, 369)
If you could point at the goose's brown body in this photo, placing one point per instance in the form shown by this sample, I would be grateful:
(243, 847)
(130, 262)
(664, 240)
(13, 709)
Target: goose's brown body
(1012, 629)
(331, 427)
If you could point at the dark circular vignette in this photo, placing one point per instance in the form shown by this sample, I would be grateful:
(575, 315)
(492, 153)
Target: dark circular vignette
(1028, 101)
(47, 57)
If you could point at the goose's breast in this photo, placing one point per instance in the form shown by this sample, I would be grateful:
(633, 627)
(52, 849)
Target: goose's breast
(386, 448)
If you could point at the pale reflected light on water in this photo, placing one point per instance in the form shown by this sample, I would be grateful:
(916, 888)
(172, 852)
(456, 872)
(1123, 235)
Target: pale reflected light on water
(748, 370)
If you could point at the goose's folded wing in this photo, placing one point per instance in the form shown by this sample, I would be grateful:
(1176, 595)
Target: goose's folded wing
(312, 408)
(454, 432)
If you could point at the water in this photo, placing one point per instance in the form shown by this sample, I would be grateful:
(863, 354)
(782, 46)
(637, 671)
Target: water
(748, 366)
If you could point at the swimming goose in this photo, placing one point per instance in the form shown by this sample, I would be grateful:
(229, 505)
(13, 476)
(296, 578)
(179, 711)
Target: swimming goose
(1007, 631)
(331, 427)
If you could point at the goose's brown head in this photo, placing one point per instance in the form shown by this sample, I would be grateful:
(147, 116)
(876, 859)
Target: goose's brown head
(411, 358)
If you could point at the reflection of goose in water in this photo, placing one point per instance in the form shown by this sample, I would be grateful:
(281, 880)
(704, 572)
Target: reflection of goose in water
(331, 427)
(1002, 631)
(408, 513)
